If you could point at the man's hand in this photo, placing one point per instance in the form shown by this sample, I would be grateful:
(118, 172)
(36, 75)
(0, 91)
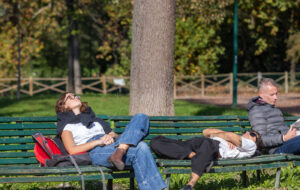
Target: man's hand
(107, 139)
(290, 134)
(231, 146)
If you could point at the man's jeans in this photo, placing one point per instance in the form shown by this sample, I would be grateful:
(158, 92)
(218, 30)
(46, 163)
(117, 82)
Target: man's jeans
(138, 155)
(291, 146)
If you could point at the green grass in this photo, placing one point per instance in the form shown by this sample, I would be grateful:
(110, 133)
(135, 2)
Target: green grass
(43, 105)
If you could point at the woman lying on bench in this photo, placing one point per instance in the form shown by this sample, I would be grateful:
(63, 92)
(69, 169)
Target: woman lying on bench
(81, 131)
(203, 150)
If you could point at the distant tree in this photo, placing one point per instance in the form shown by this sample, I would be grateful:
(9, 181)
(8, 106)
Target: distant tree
(152, 60)
(293, 54)
(74, 77)
(36, 20)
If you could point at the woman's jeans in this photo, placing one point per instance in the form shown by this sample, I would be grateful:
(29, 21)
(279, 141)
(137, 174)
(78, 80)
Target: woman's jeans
(138, 155)
(291, 146)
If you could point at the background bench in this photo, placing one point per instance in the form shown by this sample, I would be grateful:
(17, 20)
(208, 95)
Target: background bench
(185, 127)
(18, 163)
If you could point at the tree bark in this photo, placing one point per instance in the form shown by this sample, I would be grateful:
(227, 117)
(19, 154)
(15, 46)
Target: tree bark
(76, 63)
(70, 65)
(74, 76)
(293, 72)
(152, 59)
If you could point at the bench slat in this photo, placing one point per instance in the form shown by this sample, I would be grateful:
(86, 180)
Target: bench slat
(16, 154)
(224, 162)
(33, 179)
(26, 132)
(16, 140)
(17, 147)
(28, 119)
(50, 170)
(27, 126)
(227, 169)
(174, 124)
(178, 118)
(181, 130)
(18, 161)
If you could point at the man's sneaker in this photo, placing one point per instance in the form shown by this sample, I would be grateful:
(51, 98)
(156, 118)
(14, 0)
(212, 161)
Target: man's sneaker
(187, 187)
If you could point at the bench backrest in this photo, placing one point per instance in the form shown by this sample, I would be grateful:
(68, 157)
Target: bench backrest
(182, 127)
(16, 143)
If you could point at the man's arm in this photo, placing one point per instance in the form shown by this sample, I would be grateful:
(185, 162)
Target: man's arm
(228, 136)
(208, 132)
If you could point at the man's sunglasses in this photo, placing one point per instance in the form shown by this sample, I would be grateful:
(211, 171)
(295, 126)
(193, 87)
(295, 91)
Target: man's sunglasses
(252, 134)
(71, 97)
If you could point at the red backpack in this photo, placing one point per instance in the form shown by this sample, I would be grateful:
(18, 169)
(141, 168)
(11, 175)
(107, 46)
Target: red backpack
(47, 152)
(44, 148)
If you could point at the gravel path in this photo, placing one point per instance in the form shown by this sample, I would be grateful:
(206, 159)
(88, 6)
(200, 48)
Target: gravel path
(286, 103)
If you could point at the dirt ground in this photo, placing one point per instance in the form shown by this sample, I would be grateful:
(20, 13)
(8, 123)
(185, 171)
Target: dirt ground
(287, 103)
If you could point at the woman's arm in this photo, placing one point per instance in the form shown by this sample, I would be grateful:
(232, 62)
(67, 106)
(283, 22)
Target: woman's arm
(68, 141)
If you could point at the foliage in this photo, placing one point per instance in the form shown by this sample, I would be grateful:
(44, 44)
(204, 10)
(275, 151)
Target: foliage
(197, 45)
(35, 18)
(113, 52)
(203, 42)
(264, 26)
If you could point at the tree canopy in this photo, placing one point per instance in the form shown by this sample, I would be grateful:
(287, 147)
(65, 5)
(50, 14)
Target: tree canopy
(203, 38)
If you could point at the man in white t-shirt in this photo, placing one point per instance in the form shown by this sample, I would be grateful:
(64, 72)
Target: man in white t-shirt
(231, 146)
(202, 150)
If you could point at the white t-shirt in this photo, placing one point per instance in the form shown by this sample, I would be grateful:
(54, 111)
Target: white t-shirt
(82, 134)
(247, 148)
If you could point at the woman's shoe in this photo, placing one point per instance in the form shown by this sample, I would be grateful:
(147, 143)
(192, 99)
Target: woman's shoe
(116, 159)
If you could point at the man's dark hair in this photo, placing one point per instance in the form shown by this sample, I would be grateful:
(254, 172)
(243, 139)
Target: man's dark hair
(259, 143)
(266, 82)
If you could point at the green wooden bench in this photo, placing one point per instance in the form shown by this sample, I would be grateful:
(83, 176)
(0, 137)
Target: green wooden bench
(18, 163)
(185, 127)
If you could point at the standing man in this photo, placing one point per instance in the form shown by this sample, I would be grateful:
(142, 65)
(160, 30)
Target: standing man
(268, 121)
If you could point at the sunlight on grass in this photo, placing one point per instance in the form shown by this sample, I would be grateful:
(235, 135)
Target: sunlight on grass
(43, 105)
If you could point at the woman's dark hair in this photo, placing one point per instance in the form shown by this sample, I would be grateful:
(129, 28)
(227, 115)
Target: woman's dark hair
(60, 104)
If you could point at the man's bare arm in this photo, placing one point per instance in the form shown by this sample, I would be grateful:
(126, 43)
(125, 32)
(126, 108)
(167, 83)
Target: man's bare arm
(208, 132)
(228, 136)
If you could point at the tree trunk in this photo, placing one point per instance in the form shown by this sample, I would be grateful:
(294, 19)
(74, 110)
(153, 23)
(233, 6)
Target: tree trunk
(76, 63)
(74, 77)
(70, 64)
(152, 59)
(292, 72)
(70, 8)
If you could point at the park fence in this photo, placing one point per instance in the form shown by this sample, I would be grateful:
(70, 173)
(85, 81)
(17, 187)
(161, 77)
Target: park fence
(203, 85)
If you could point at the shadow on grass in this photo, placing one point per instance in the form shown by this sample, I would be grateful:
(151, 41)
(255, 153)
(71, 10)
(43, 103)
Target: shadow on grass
(226, 181)
(26, 106)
